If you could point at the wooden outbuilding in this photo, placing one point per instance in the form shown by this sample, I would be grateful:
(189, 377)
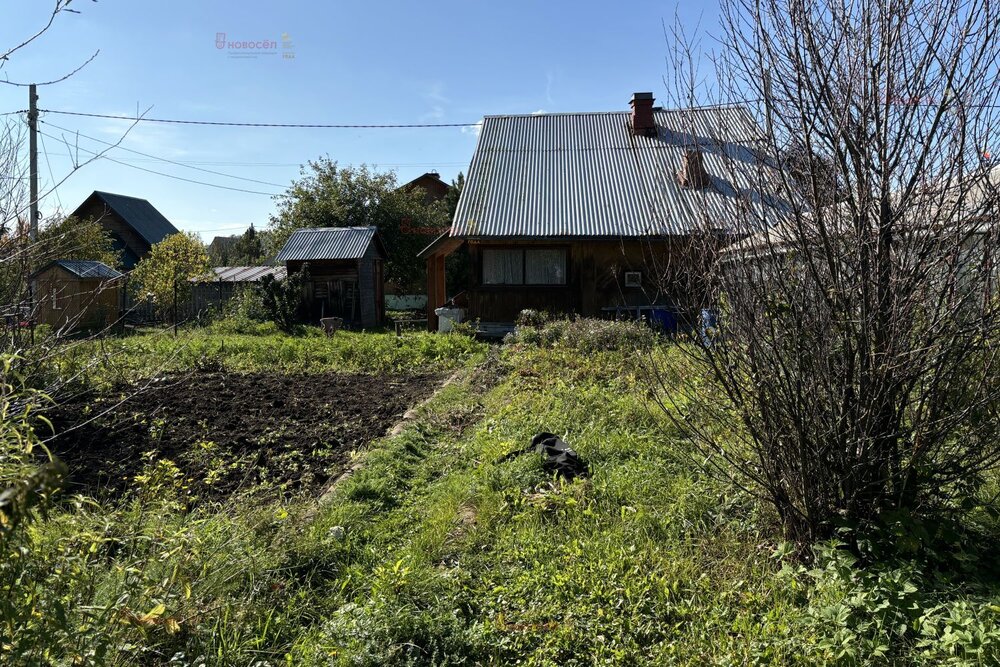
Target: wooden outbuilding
(346, 273)
(77, 294)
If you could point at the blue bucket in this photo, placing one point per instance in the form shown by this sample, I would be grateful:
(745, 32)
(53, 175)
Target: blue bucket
(663, 319)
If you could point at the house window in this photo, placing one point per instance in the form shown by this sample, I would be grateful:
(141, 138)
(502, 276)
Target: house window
(524, 266)
(503, 267)
(55, 299)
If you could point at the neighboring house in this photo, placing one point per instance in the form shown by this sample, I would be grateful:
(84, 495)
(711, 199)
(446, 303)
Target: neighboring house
(77, 294)
(346, 272)
(434, 188)
(134, 224)
(575, 212)
(224, 282)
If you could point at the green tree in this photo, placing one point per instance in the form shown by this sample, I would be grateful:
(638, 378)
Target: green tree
(282, 299)
(164, 275)
(330, 196)
(249, 250)
(246, 249)
(72, 238)
(458, 265)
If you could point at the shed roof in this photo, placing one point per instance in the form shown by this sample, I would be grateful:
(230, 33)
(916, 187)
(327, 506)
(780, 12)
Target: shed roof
(139, 214)
(329, 243)
(85, 269)
(588, 175)
(242, 274)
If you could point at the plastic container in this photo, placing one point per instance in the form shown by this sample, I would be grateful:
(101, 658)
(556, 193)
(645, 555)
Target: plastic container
(708, 328)
(448, 318)
(663, 319)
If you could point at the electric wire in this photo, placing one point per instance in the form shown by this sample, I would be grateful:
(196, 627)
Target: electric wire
(173, 176)
(51, 174)
(167, 160)
(141, 119)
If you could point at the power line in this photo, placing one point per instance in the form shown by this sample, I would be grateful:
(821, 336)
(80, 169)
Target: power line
(51, 174)
(141, 119)
(163, 159)
(178, 178)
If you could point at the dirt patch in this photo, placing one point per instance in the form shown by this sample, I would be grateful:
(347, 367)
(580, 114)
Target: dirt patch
(229, 433)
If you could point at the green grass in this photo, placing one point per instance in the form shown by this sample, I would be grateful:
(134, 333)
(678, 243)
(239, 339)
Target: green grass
(435, 553)
(263, 350)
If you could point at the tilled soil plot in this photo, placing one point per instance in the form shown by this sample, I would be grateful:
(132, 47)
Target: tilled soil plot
(228, 433)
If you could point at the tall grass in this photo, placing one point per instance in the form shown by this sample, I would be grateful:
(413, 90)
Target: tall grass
(265, 349)
(435, 552)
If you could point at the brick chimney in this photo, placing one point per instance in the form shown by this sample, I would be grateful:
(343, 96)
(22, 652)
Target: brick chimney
(642, 115)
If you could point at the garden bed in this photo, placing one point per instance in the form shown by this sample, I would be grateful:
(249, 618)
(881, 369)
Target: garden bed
(229, 433)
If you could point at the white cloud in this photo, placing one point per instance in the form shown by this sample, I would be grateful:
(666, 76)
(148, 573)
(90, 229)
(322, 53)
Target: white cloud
(435, 97)
(473, 129)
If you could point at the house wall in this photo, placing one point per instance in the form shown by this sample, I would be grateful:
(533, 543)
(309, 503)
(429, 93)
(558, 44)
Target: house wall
(78, 303)
(113, 223)
(595, 279)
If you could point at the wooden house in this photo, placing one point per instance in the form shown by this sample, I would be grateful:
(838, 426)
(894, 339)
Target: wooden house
(430, 184)
(134, 224)
(77, 294)
(346, 272)
(588, 213)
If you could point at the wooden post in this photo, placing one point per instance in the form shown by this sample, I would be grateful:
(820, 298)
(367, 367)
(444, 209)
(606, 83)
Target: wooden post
(432, 297)
(175, 307)
(33, 162)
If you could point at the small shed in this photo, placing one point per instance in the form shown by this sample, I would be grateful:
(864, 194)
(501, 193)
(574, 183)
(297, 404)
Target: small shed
(346, 272)
(77, 294)
(224, 282)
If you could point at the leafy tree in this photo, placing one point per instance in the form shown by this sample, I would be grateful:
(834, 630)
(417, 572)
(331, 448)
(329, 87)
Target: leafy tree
(247, 249)
(164, 274)
(330, 196)
(72, 238)
(458, 265)
(454, 193)
(282, 299)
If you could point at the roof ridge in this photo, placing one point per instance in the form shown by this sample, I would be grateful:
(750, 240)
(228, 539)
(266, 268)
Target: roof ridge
(707, 107)
(326, 229)
(115, 194)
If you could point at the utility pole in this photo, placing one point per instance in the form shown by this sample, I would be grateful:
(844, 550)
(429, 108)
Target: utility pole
(33, 160)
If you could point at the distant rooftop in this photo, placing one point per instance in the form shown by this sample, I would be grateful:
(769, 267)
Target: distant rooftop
(139, 214)
(85, 269)
(242, 274)
(328, 243)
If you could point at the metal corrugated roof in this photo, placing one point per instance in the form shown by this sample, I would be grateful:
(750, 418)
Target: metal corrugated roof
(586, 174)
(243, 274)
(139, 214)
(327, 243)
(87, 268)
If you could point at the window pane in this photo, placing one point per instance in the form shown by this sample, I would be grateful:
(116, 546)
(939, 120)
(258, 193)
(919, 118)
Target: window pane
(545, 266)
(502, 267)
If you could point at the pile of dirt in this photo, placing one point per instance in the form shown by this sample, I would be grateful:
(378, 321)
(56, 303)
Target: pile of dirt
(230, 432)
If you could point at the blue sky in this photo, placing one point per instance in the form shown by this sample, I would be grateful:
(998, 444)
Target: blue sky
(371, 62)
